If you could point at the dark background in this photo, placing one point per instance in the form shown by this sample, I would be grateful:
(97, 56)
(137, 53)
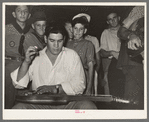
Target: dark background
(97, 25)
(61, 13)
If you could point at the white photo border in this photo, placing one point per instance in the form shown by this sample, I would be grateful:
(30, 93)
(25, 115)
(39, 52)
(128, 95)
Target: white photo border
(70, 114)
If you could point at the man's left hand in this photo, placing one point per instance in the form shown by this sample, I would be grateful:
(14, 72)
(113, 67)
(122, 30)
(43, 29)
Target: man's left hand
(46, 89)
(134, 42)
(115, 54)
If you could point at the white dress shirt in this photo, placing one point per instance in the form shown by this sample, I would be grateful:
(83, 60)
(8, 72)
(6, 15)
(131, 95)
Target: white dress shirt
(67, 71)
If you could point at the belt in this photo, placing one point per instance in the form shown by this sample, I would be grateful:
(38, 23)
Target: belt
(19, 59)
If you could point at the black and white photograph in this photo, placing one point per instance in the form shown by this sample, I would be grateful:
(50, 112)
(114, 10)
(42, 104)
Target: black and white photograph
(74, 60)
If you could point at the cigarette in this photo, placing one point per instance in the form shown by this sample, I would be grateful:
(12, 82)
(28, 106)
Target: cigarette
(36, 47)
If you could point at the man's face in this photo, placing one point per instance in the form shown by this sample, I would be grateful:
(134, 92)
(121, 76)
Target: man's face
(39, 27)
(55, 43)
(68, 28)
(21, 13)
(78, 31)
(113, 20)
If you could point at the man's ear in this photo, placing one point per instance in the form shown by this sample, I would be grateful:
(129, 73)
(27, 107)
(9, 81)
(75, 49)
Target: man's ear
(29, 16)
(33, 26)
(107, 22)
(14, 14)
(45, 39)
(85, 30)
(119, 18)
(64, 38)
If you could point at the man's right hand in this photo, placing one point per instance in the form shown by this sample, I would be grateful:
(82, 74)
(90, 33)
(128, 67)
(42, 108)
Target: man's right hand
(30, 54)
(115, 54)
(134, 42)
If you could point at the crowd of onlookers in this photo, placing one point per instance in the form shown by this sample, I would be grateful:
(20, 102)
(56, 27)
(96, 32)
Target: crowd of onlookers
(64, 59)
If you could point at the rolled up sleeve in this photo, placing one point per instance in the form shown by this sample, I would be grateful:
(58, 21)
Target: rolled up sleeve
(90, 53)
(21, 83)
(97, 48)
(136, 13)
(76, 84)
(103, 41)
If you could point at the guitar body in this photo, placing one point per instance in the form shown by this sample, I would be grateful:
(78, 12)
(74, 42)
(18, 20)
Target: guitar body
(137, 28)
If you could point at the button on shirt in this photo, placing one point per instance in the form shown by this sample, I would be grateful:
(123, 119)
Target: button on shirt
(67, 71)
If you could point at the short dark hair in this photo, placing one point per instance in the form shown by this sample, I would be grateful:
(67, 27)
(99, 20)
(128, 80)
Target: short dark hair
(15, 6)
(112, 12)
(81, 20)
(55, 29)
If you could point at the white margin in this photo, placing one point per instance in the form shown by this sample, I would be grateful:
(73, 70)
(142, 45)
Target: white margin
(11, 114)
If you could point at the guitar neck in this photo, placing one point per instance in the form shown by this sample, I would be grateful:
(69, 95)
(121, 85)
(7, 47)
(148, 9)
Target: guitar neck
(100, 98)
(64, 99)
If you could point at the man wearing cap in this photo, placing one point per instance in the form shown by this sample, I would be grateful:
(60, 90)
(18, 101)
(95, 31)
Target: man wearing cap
(110, 47)
(38, 25)
(35, 37)
(95, 42)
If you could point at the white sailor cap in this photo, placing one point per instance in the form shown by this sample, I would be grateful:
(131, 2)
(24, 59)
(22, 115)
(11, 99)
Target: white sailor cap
(82, 15)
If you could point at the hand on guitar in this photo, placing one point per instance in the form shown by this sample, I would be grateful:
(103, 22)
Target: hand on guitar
(134, 42)
(42, 90)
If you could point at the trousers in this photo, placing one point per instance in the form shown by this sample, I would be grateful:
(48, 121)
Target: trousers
(134, 85)
(10, 91)
(70, 105)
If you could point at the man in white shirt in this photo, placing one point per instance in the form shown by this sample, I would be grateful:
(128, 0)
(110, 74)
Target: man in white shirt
(57, 70)
(110, 47)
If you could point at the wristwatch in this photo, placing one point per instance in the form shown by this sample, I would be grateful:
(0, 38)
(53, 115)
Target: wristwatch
(57, 88)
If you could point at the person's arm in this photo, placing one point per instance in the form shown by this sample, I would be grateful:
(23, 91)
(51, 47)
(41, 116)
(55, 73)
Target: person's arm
(98, 61)
(20, 76)
(75, 83)
(97, 53)
(126, 35)
(90, 78)
(105, 53)
(90, 62)
(29, 55)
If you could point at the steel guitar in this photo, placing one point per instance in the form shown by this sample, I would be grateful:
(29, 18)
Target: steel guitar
(64, 99)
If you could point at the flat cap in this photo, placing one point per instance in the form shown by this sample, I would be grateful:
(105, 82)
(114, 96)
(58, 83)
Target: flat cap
(38, 16)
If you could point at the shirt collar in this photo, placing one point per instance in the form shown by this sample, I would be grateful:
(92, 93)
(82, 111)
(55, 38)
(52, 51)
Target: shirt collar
(43, 52)
(19, 29)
